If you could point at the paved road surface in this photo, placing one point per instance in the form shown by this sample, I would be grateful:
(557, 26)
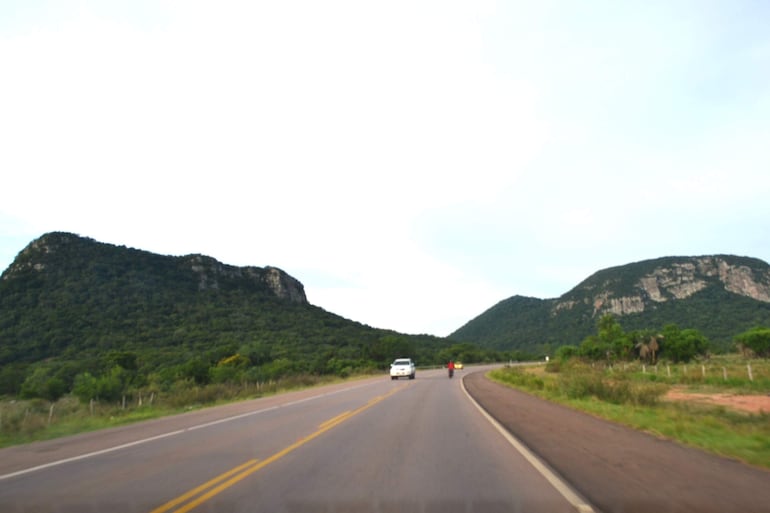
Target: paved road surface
(375, 445)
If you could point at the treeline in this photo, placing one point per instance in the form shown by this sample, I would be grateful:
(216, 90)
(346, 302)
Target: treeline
(122, 375)
(612, 343)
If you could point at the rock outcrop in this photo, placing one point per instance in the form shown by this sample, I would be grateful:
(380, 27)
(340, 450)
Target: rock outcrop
(211, 272)
(670, 280)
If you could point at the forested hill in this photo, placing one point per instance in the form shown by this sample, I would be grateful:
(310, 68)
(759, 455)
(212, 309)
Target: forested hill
(72, 305)
(719, 295)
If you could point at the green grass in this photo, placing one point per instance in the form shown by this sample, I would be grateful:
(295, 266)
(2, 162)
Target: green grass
(634, 399)
(24, 421)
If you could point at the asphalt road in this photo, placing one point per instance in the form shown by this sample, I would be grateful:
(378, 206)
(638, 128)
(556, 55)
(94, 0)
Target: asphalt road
(375, 445)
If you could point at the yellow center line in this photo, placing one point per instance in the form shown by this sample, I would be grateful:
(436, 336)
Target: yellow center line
(242, 471)
(335, 419)
(195, 491)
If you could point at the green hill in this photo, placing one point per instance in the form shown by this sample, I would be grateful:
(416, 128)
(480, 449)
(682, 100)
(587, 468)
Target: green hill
(720, 295)
(70, 305)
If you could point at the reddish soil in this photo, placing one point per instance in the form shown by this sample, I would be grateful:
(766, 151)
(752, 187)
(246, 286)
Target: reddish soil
(619, 469)
(747, 403)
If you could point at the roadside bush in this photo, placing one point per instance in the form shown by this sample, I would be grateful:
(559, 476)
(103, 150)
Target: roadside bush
(581, 385)
(519, 378)
(566, 352)
(757, 340)
(616, 391)
(647, 394)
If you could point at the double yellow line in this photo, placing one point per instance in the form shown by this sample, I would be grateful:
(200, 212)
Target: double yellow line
(222, 482)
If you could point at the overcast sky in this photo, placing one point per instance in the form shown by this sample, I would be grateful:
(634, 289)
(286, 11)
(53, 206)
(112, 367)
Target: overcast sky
(411, 163)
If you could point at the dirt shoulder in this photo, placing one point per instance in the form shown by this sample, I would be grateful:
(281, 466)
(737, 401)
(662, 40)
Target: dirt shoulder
(618, 469)
(746, 403)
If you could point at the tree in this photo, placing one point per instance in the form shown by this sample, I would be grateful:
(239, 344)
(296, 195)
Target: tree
(756, 339)
(610, 340)
(40, 383)
(593, 348)
(390, 347)
(682, 345)
(123, 359)
(229, 369)
(612, 336)
(85, 387)
(11, 377)
(198, 370)
(109, 387)
(648, 345)
(564, 353)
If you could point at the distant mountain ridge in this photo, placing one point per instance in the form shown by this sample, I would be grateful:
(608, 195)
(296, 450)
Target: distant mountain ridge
(721, 295)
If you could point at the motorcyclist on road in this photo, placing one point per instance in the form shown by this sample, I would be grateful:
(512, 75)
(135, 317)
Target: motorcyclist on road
(451, 367)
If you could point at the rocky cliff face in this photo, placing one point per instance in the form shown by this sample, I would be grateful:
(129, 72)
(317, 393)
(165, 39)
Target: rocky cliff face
(673, 279)
(210, 273)
(284, 286)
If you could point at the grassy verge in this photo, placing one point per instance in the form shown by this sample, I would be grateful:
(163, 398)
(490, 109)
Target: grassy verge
(24, 421)
(634, 399)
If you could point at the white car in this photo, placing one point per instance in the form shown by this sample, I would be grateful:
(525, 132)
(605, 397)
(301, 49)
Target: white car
(402, 367)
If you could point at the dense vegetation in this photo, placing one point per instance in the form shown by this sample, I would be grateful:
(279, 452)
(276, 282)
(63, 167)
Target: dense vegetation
(107, 322)
(612, 344)
(538, 326)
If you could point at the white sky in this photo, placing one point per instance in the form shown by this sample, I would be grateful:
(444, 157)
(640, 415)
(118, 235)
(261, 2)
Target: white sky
(411, 163)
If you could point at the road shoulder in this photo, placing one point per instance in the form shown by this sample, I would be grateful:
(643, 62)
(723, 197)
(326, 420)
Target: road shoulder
(620, 469)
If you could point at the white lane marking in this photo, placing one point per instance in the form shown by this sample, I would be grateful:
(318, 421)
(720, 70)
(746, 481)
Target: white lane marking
(580, 504)
(174, 433)
(89, 455)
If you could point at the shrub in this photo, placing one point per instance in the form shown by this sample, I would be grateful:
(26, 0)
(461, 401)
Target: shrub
(564, 353)
(757, 340)
(616, 391)
(517, 377)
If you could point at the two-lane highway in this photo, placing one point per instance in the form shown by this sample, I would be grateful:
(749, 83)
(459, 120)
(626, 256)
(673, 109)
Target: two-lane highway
(374, 445)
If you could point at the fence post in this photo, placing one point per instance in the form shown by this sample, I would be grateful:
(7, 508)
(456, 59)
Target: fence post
(724, 374)
(703, 370)
(644, 369)
(50, 413)
(668, 370)
(751, 376)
